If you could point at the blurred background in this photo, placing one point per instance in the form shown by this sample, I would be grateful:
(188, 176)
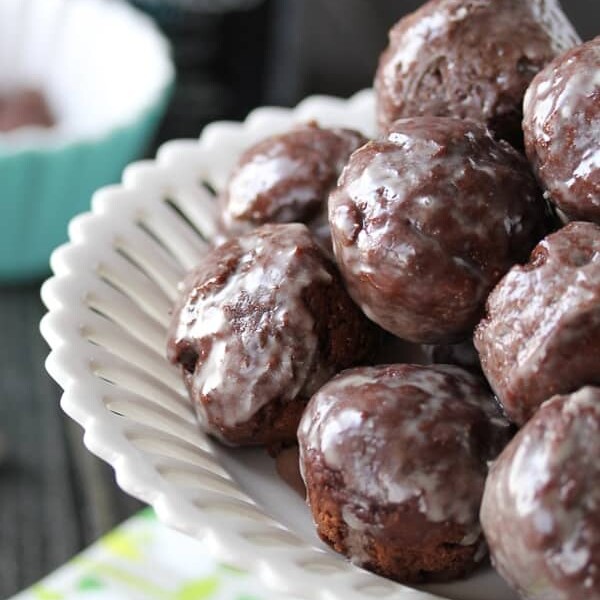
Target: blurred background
(279, 51)
(231, 56)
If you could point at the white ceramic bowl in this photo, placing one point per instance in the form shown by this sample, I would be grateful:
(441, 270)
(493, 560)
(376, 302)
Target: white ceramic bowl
(107, 74)
(99, 63)
(109, 307)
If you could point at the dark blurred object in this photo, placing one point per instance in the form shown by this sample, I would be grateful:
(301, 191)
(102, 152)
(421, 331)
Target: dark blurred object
(329, 46)
(234, 55)
(55, 496)
(24, 108)
(332, 46)
(220, 49)
(287, 463)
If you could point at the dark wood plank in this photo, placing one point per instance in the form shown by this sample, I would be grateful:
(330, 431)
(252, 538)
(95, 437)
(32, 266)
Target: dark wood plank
(55, 497)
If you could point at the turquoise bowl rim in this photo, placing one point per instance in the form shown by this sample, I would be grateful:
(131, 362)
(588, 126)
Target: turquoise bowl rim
(159, 103)
(137, 133)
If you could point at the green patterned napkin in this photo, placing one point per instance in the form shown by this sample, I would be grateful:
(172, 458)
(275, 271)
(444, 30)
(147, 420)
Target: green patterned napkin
(144, 560)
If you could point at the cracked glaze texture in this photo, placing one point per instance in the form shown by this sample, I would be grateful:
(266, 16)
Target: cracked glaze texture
(541, 506)
(286, 178)
(470, 59)
(399, 454)
(562, 131)
(541, 335)
(262, 323)
(426, 220)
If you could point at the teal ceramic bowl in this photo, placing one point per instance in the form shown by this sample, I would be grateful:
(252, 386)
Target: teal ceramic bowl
(48, 176)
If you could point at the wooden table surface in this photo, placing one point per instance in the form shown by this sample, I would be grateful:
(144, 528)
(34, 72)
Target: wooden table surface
(55, 497)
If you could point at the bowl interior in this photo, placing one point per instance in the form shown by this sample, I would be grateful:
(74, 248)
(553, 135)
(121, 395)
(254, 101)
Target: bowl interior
(100, 63)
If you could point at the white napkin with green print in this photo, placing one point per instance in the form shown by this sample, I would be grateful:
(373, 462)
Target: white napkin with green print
(144, 560)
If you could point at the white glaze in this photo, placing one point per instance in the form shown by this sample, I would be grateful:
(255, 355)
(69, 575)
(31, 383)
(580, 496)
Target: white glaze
(386, 183)
(258, 177)
(461, 42)
(544, 103)
(562, 123)
(244, 365)
(551, 16)
(542, 542)
(532, 314)
(379, 459)
(275, 566)
(286, 178)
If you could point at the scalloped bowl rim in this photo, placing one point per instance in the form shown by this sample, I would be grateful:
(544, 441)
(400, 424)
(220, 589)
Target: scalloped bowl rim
(280, 568)
(41, 140)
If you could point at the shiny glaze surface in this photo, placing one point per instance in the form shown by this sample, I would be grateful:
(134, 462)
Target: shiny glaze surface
(541, 507)
(562, 131)
(470, 60)
(286, 178)
(541, 336)
(462, 355)
(243, 332)
(405, 438)
(426, 220)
